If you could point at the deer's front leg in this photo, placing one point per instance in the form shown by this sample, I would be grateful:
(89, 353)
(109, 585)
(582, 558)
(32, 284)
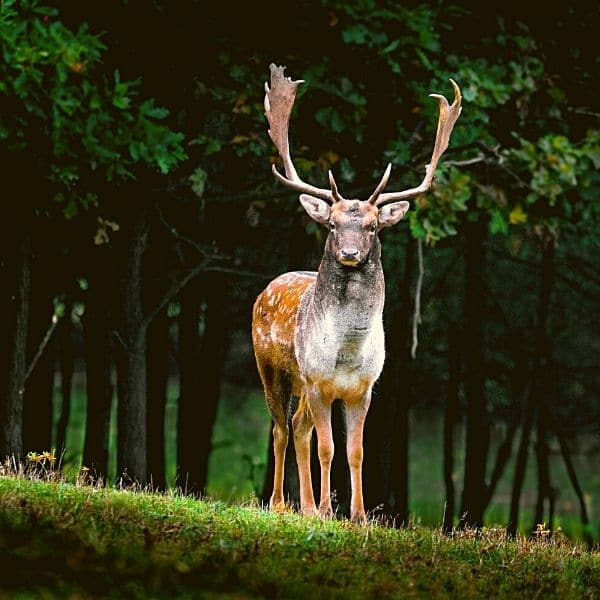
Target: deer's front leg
(302, 425)
(355, 422)
(321, 412)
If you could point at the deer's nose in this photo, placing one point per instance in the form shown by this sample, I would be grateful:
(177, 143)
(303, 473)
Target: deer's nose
(350, 253)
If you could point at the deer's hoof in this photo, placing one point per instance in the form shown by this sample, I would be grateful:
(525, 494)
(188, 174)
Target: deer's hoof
(360, 518)
(326, 512)
(277, 505)
(309, 511)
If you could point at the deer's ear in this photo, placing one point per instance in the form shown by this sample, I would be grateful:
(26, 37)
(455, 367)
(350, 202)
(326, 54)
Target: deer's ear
(390, 214)
(316, 208)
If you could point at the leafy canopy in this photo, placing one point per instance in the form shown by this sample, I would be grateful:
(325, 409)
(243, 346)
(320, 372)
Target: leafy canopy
(59, 107)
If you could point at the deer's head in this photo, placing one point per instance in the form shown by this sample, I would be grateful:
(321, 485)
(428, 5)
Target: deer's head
(353, 224)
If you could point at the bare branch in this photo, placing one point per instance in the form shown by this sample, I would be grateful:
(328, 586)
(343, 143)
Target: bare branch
(202, 250)
(417, 311)
(173, 290)
(42, 346)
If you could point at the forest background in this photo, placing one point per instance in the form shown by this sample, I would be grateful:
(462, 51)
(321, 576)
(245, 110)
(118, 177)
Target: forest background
(142, 219)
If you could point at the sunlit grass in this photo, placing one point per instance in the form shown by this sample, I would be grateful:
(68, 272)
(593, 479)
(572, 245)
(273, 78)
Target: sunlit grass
(238, 462)
(65, 540)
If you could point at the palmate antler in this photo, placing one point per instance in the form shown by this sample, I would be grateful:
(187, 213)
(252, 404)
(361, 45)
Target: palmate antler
(279, 100)
(449, 113)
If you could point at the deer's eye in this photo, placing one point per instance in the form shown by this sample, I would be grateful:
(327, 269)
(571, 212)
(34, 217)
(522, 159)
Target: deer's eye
(331, 226)
(373, 227)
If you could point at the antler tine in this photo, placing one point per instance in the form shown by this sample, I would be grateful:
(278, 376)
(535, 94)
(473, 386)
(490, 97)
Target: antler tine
(381, 185)
(279, 100)
(448, 116)
(334, 190)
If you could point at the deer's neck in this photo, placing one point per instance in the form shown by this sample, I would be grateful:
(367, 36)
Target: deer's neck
(356, 293)
(340, 325)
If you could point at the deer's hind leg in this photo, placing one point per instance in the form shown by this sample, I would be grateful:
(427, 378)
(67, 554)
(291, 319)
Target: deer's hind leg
(277, 388)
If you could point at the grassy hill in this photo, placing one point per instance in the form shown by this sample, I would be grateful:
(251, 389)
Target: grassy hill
(240, 439)
(65, 540)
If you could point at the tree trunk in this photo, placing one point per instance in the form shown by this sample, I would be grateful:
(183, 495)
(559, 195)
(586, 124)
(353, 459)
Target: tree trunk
(66, 355)
(545, 490)
(477, 428)
(539, 373)
(37, 400)
(11, 399)
(158, 375)
(385, 469)
(520, 468)
(158, 285)
(98, 348)
(132, 443)
(519, 384)
(215, 343)
(189, 476)
(402, 390)
(566, 455)
(200, 379)
(450, 420)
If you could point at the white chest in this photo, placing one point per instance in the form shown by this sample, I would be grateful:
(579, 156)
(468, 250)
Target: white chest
(343, 347)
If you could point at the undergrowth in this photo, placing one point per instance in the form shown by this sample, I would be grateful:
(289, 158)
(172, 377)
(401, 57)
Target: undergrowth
(61, 539)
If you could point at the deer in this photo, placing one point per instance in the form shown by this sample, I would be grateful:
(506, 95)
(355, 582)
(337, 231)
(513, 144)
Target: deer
(318, 336)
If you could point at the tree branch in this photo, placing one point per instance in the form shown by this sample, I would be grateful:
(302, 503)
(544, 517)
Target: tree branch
(41, 347)
(417, 312)
(173, 290)
(566, 454)
(202, 250)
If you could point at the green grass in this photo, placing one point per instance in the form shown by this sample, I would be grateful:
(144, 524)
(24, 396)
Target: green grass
(237, 464)
(62, 540)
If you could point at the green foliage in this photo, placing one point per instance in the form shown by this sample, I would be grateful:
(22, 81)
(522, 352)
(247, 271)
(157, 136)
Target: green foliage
(437, 215)
(560, 179)
(62, 539)
(60, 108)
(510, 105)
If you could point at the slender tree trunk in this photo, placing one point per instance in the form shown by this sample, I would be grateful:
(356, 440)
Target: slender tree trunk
(189, 474)
(399, 472)
(66, 355)
(11, 400)
(37, 400)
(215, 343)
(201, 362)
(450, 420)
(520, 468)
(542, 356)
(519, 383)
(158, 375)
(566, 455)
(385, 469)
(132, 442)
(545, 490)
(477, 428)
(98, 347)
(158, 282)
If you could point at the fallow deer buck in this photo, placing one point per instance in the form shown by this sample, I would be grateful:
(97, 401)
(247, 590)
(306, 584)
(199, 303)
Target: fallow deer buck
(319, 336)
